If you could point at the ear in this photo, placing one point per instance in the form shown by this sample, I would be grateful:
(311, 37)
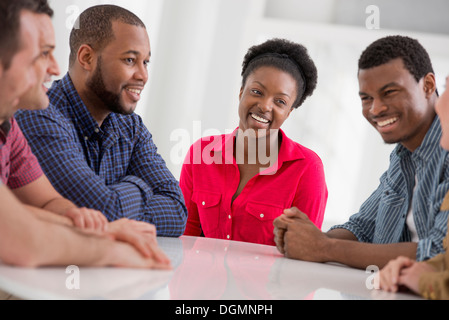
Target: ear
(86, 57)
(429, 84)
(290, 112)
(241, 93)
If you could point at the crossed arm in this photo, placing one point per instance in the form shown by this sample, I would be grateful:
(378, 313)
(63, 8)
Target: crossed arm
(31, 242)
(137, 185)
(41, 198)
(298, 238)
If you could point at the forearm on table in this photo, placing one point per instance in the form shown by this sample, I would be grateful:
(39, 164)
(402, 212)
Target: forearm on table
(30, 242)
(50, 216)
(361, 255)
(168, 215)
(60, 245)
(59, 205)
(342, 234)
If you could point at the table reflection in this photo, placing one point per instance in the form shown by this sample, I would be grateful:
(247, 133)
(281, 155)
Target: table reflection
(222, 270)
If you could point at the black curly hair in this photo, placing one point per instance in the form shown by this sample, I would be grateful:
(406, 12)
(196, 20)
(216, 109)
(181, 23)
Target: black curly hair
(287, 56)
(94, 27)
(415, 57)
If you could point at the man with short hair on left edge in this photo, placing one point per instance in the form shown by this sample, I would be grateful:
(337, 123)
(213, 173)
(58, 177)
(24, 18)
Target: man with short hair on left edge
(95, 150)
(48, 239)
(19, 168)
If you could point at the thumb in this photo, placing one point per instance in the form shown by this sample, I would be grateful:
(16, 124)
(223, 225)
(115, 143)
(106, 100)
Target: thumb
(295, 213)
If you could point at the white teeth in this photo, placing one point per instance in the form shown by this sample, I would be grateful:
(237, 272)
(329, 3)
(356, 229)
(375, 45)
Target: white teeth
(387, 122)
(257, 118)
(136, 91)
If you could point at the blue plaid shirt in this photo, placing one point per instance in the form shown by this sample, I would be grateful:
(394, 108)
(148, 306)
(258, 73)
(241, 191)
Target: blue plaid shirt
(114, 168)
(382, 218)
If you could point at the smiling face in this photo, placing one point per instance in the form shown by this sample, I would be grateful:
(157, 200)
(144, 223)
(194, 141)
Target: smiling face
(121, 69)
(45, 66)
(266, 99)
(21, 75)
(395, 104)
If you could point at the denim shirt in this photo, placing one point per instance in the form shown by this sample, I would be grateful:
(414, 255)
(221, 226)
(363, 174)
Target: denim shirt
(382, 218)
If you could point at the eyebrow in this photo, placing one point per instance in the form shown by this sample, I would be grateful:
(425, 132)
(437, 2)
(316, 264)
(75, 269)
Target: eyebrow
(49, 46)
(134, 52)
(391, 84)
(45, 46)
(281, 93)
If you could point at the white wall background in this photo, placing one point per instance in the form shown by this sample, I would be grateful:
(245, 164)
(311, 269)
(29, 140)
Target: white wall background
(198, 48)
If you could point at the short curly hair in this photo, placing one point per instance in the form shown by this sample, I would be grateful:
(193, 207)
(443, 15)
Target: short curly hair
(287, 56)
(415, 57)
(94, 27)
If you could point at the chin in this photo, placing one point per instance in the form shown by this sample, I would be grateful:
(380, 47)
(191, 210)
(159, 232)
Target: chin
(391, 141)
(38, 105)
(128, 111)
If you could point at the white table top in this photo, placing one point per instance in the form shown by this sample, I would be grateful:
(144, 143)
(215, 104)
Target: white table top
(203, 269)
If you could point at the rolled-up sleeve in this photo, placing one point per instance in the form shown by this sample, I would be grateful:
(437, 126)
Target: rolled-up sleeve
(165, 202)
(363, 224)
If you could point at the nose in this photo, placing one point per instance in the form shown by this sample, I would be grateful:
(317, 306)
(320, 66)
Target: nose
(265, 105)
(377, 107)
(141, 73)
(53, 67)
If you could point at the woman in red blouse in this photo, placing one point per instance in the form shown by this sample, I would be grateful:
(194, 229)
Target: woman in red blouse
(236, 184)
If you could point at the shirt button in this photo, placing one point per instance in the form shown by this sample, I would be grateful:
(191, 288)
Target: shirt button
(86, 138)
(203, 203)
(97, 130)
(229, 217)
(262, 215)
(229, 237)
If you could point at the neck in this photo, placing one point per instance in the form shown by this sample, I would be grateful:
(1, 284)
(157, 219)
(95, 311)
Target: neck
(415, 142)
(6, 116)
(93, 103)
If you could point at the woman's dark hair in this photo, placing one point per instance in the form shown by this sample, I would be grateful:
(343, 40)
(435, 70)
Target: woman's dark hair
(287, 56)
(10, 10)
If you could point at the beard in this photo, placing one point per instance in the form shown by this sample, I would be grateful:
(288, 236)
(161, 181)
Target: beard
(110, 99)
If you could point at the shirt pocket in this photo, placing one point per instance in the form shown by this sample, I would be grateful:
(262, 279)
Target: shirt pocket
(208, 204)
(263, 212)
(391, 209)
(391, 198)
(257, 225)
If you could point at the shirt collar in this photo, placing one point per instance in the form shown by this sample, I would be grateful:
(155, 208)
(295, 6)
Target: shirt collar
(430, 143)
(289, 151)
(88, 125)
(5, 127)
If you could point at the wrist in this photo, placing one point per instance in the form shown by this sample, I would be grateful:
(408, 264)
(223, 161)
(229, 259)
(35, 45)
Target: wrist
(328, 248)
(106, 252)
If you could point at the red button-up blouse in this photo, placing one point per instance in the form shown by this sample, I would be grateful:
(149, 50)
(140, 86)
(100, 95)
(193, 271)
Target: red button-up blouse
(210, 177)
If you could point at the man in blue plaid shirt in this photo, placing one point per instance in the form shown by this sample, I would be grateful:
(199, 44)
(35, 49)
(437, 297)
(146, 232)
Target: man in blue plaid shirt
(92, 146)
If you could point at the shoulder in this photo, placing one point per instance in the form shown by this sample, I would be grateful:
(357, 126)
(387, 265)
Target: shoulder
(44, 121)
(56, 111)
(296, 150)
(131, 126)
